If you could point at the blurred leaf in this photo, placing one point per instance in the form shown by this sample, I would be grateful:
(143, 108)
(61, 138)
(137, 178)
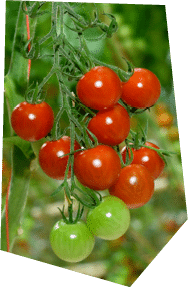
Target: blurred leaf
(11, 93)
(17, 196)
(25, 146)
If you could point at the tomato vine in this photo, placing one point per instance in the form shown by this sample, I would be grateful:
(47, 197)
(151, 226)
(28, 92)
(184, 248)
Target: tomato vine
(90, 154)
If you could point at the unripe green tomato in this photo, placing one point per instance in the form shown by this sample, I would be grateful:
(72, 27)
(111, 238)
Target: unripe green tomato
(110, 219)
(71, 242)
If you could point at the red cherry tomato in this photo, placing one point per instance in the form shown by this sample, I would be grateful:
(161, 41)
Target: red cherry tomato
(147, 157)
(111, 126)
(142, 90)
(135, 186)
(99, 88)
(32, 122)
(51, 157)
(97, 168)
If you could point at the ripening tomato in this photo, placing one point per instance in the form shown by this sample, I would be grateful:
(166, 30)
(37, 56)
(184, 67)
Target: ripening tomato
(147, 157)
(99, 88)
(173, 133)
(6, 176)
(135, 186)
(142, 90)
(111, 126)
(170, 226)
(165, 119)
(32, 122)
(71, 242)
(110, 219)
(51, 157)
(97, 168)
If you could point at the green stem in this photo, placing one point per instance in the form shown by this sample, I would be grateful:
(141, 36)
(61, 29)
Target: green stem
(45, 80)
(55, 130)
(71, 12)
(160, 152)
(14, 39)
(72, 136)
(18, 192)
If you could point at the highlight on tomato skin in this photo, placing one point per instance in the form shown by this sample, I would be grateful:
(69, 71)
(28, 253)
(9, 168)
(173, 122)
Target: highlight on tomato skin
(51, 158)
(97, 168)
(110, 219)
(71, 242)
(100, 88)
(148, 158)
(135, 186)
(142, 90)
(32, 122)
(111, 126)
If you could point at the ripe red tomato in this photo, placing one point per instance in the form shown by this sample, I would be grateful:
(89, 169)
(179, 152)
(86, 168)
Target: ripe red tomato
(111, 126)
(32, 122)
(135, 186)
(97, 168)
(99, 88)
(51, 160)
(147, 157)
(142, 90)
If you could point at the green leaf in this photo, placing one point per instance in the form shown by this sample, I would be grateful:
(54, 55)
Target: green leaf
(18, 191)
(10, 93)
(24, 146)
(57, 190)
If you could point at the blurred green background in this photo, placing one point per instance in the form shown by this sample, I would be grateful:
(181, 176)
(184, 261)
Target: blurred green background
(142, 38)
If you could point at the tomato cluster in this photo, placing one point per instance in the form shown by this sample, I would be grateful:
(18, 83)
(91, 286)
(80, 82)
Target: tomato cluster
(100, 166)
(134, 184)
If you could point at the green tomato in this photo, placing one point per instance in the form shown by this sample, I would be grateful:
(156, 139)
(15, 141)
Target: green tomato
(71, 242)
(110, 219)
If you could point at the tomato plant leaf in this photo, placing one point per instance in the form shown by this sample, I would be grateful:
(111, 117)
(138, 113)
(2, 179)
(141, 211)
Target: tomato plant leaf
(11, 94)
(57, 190)
(19, 184)
(25, 146)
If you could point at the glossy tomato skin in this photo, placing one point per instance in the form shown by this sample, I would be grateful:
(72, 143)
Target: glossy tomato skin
(147, 157)
(142, 90)
(110, 219)
(97, 168)
(51, 160)
(99, 88)
(71, 242)
(32, 122)
(111, 126)
(135, 186)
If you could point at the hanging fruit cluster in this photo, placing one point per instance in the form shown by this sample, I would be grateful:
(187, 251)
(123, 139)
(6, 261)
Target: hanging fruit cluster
(86, 156)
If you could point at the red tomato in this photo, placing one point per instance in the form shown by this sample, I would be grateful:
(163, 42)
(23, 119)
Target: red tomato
(111, 126)
(51, 160)
(97, 168)
(32, 122)
(147, 157)
(142, 90)
(135, 186)
(99, 88)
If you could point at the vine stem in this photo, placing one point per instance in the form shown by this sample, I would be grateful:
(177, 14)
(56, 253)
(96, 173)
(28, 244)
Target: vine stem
(14, 39)
(28, 75)
(29, 45)
(6, 217)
